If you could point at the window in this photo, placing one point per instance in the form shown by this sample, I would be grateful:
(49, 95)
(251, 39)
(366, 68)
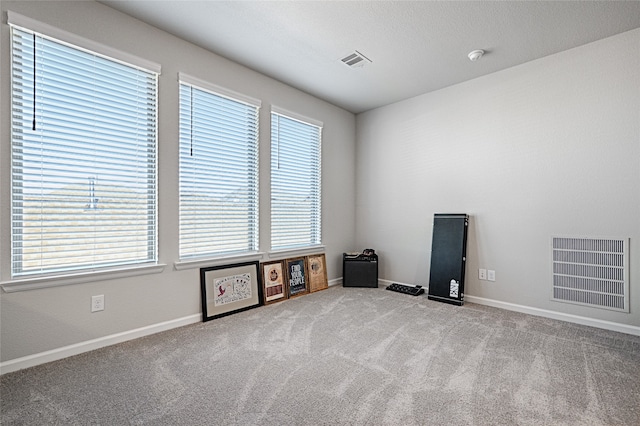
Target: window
(83, 158)
(218, 170)
(295, 181)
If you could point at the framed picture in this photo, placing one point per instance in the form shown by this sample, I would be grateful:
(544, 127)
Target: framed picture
(228, 289)
(297, 276)
(317, 269)
(273, 282)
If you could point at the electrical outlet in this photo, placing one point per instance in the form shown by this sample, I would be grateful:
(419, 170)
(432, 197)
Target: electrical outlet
(491, 275)
(97, 303)
(482, 274)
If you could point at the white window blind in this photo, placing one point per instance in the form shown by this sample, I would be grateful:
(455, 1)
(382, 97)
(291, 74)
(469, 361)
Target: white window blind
(218, 173)
(295, 182)
(83, 159)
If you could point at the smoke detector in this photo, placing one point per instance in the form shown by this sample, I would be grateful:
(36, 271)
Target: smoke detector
(355, 60)
(475, 55)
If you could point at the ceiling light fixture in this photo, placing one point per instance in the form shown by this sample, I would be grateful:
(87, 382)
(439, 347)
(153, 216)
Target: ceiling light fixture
(476, 54)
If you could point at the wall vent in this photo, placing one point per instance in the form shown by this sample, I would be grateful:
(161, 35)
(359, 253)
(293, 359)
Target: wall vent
(355, 60)
(591, 272)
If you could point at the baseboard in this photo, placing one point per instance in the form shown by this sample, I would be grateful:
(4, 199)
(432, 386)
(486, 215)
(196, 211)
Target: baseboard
(78, 348)
(387, 283)
(576, 319)
(89, 345)
(335, 281)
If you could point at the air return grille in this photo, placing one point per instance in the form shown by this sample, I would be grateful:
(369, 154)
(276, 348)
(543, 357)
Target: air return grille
(355, 60)
(592, 272)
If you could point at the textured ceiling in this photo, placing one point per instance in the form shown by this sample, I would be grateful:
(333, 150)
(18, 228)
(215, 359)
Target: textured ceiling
(415, 47)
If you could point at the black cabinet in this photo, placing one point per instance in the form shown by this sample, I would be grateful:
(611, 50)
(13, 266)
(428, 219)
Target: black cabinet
(359, 270)
(448, 258)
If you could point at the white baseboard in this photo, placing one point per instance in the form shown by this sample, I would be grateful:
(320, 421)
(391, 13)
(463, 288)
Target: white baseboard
(592, 322)
(576, 319)
(387, 283)
(78, 348)
(89, 345)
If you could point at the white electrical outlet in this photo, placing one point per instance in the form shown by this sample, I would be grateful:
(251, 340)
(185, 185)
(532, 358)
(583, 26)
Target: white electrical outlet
(491, 275)
(97, 303)
(482, 274)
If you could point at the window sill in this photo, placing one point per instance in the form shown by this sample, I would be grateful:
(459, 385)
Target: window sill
(35, 283)
(216, 261)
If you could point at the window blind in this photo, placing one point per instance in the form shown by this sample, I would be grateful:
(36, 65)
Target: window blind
(83, 158)
(218, 173)
(295, 182)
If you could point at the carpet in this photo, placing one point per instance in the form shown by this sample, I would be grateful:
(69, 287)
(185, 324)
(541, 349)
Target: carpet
(343, 356)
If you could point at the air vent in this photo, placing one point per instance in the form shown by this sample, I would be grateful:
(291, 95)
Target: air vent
(592, 272)
(355, 60)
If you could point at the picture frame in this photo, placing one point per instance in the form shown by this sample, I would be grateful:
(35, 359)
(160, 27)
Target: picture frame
(228, 289)
(296, 270)
(274, 283)
(317, 270)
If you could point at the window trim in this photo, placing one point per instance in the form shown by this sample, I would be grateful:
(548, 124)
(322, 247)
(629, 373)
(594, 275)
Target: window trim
(218, 90)
(30, 24)
(298, 117)
(39, 282)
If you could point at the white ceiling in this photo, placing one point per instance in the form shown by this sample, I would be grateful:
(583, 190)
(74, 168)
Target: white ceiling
(415, 46)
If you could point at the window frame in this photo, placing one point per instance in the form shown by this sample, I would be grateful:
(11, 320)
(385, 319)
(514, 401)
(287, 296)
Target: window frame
(251, 252)
(82, 272)
(315, 242)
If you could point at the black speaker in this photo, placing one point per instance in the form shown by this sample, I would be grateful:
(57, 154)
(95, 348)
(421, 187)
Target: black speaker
(359, 270)
(448, 258)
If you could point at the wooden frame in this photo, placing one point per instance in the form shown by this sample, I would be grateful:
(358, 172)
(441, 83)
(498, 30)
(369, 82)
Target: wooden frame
(317, 269)
(274, 283)
(228, 289)
(296, 270)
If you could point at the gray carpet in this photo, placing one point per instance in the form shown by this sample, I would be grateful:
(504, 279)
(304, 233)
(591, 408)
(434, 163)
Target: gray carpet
(343, 356)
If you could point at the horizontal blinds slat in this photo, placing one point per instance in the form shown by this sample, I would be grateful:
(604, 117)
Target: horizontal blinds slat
(56, 142)
(69, 71)
(218, 174)
(295, 182)
(84, 193)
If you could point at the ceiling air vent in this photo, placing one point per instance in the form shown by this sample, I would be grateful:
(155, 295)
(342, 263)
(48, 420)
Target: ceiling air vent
(355, 60)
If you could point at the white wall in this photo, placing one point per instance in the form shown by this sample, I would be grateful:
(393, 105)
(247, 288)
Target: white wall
(551, 147)
(36, 321)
